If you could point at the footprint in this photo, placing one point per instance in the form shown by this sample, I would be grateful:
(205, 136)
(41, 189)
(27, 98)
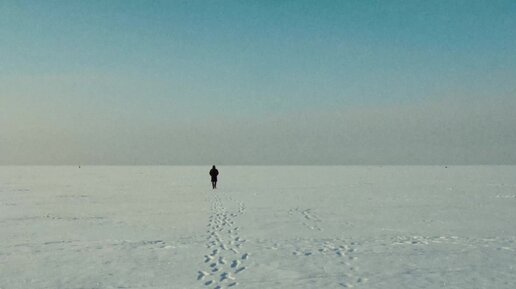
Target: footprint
(225, 276)
(235, 263)
(201, 275)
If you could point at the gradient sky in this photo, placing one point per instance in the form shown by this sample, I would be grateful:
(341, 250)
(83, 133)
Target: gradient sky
(258, 82)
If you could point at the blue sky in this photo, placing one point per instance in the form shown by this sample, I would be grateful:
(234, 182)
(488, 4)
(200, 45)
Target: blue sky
(136, 68)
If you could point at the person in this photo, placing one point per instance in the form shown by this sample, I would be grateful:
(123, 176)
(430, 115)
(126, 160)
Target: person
(214, 173)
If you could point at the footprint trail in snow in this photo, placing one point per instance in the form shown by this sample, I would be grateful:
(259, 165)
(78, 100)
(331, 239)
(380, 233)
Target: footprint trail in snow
(226, 257)
(336, 255)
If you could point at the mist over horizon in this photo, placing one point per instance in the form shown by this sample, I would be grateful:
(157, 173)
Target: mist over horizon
(439, 134)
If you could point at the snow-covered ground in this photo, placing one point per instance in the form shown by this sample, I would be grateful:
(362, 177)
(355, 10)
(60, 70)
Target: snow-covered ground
(264, 227)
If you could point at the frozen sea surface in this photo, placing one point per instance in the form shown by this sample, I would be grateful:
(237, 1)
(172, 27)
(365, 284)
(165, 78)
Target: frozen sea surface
(264, 227)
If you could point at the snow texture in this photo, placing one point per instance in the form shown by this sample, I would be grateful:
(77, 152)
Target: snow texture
(264, 227)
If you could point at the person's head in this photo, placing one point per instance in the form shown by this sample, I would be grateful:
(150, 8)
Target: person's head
(213, 167)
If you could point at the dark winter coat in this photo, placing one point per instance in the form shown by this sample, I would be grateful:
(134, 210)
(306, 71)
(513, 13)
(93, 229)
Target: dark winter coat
(214, 173)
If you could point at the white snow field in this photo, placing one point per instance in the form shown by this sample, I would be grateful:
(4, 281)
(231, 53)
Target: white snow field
(264, 227)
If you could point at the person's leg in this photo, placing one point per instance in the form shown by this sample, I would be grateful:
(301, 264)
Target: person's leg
(215, 184)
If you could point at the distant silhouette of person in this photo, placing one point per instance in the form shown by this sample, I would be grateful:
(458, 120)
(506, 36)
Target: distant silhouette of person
(214, 173)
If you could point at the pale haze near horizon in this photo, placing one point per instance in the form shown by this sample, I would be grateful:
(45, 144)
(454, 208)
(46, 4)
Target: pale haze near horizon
(266, 83)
